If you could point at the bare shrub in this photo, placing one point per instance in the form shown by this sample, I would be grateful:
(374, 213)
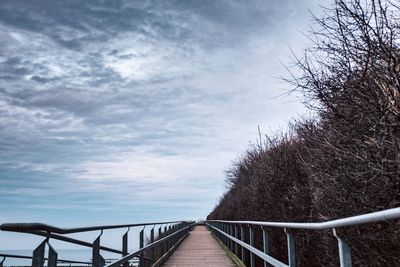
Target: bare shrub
(344, 162)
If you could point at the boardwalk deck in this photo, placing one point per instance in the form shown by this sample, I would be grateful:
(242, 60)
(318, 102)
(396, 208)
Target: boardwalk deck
(199, 249)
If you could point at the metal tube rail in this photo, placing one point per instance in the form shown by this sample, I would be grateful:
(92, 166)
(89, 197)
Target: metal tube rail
(71, 240)
(30, 257)
(147, 247)
(167, 239)
(27, 227)
(220, 228)
(257, 252)
(378, 216)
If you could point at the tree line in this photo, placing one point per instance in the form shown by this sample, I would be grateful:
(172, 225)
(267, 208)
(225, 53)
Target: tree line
(346, 159)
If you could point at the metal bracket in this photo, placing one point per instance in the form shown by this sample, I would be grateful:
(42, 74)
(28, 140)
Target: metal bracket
(265, 244)
(291, 249)
(251, 242)
(97, 259)
(141, 245)
(125, 246)
(242, 238)
(344, 251)
(52, 257)
(38, 255)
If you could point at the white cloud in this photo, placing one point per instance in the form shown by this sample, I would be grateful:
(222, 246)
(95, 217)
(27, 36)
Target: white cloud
(148, 102)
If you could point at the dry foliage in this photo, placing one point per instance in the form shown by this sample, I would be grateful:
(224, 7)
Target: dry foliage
(345, 162)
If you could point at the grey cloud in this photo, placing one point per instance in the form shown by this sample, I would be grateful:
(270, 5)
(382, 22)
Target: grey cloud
(214, 23)
(84, 82)
(41, 79)
(13, 68)
(98, 21)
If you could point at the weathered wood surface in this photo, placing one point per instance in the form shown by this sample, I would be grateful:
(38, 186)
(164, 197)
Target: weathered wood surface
(199, 249)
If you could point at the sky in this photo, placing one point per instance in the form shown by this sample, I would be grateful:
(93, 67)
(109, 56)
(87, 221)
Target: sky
(131, 111)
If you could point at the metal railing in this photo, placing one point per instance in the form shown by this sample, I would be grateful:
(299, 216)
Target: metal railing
(232, 234)
(153, 249)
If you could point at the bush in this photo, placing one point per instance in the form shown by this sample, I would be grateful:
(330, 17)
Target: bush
(347, 160)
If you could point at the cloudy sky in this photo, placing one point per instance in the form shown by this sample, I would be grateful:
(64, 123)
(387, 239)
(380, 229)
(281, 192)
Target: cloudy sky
(130, 111)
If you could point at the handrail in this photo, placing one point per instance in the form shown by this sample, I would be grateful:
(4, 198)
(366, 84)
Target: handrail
(16, 227)
(252, 249)
(158, 244)
(71, 240)
(4, 255)
(232, 234)
(138, 252)
(378, 216)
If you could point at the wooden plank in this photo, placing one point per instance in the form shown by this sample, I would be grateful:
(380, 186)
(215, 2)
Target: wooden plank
(199, 249)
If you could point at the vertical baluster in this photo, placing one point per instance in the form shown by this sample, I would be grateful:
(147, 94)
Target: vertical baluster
(226, 230)
(38, 255)
(52, 258)
(236, 244)
(221, 235)
(344, 251)
(169, 239)
(229, 232)
(178, 228)
(223, 230)
(160, 246)
(166, 242)
(291, 249)
(265, 244)
(152, 251)
(251, 241)
(125, 246)
(218, 225)
(227, 238)
(233, 234)
(242, 238)
(97, 259)
(176, 238)
(228, 241)
(141, 245)
(173, 240)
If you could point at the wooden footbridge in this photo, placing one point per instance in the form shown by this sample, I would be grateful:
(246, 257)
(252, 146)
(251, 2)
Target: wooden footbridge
(182, 243)
(200, 248)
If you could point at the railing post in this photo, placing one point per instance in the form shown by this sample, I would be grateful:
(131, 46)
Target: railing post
(169, 239)
(166, 242)
(52, 258)
(233, 234)
(125, 246)
(160, 247)
(251, 241)
(141, 245)
(291, 249)
(228, 231)
(97, 259)
(344, 251)
(38, 255)
(265, 244)
(152, 251)
(243, 255)
(2, 261)
(223, 236)
(219, 226)
(227, 238)
(236, 244)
